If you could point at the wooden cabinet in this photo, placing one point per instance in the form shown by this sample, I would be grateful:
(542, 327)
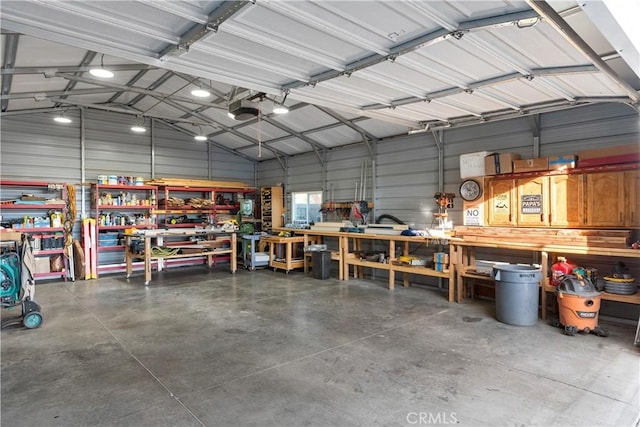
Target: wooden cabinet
(500, 202)
(604, 197)
(607, 199)
(566, 200)
(532, 202)
(272, 208)
(631, 189)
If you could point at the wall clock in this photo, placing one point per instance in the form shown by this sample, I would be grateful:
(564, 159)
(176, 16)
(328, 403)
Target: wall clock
(470, 190)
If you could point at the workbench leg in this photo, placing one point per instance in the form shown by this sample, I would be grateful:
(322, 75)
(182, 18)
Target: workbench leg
(405, 276)
(234, 252)
(343, 242)
(455, 278)
(128, 256)
(288, 254)
(147, 261)
(459, 268)
(544, 262)
(392, 274)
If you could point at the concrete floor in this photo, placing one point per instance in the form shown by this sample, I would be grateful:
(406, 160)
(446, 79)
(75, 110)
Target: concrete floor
(200, 347)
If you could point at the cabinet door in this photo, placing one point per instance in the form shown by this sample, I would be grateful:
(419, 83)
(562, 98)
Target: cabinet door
(631, 189)
(500, 202)
(605, 199)
(566, 200)
(532, 202)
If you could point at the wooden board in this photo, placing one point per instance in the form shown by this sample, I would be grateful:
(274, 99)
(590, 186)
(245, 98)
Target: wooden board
(618, 239)
(184, 182)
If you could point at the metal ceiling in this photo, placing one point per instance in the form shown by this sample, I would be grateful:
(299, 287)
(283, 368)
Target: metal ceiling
(350, 71)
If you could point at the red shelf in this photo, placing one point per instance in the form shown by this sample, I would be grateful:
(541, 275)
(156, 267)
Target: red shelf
(48, 251)
(125, 207)
(39, 229)
(30, 206)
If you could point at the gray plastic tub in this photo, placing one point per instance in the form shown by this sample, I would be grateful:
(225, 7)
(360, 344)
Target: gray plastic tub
(517, 293)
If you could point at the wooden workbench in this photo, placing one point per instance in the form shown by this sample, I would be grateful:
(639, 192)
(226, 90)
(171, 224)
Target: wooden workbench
(158, 235)
(288, 263)
(464, 259)
(349, 257)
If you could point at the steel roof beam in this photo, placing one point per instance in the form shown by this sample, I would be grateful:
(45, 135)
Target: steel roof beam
(74, 69)
(8, 61)
(48, 94)
(222, 147)
(216, 18)
(536, 72)
(365, 134)
(153, 86)
(222, 126)
(153, 93)
(561, 26)
(88, 57)
(412, 45)
(132, 81)
(298, 135)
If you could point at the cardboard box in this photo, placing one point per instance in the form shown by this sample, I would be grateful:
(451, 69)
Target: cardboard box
(472, 164)
(609, 156)
(43, 264)
(10, 235)
(564, 161)
(531, 165)
(609, 151)
(498, 163)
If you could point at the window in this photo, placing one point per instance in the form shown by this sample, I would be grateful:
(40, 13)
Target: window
(305, 207)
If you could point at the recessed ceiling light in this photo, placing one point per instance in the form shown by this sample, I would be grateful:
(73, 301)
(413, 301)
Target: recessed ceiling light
(138, 129)
(200, 93)
(103, 73)
(200, 138)
(62, 119)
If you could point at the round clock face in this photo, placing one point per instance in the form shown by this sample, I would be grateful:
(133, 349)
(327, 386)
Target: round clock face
(470, 190)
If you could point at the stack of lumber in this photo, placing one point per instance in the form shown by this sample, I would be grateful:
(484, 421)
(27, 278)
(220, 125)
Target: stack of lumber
(201, 183)
(174, 202)
(200, 203)
(618, 239)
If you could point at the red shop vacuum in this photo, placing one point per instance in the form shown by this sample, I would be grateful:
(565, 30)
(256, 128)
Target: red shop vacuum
(579, 304)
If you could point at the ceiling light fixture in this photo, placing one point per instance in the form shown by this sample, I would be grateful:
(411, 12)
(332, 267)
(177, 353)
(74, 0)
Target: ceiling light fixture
(527, 22)
(279, 107)
(101, 72)
(62, 119)
(200, 93)
(200, 136)
(139, 127)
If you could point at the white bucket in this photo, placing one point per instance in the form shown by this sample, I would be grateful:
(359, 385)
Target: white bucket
(113, 180)
(103, 179)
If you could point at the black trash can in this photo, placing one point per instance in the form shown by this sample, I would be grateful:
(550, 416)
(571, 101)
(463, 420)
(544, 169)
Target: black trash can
(321, 264)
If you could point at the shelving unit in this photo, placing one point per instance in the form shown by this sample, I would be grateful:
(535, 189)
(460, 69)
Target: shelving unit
(188, 207)
(272, 208)
(116, 208)
(39, 209)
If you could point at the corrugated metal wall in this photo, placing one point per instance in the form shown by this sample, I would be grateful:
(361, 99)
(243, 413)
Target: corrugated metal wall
(406, 168)
(38, 149)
